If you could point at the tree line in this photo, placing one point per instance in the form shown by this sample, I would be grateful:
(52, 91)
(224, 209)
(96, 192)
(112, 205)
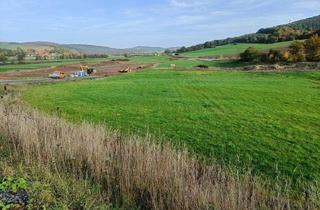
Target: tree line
(20, 55)
(299, 51)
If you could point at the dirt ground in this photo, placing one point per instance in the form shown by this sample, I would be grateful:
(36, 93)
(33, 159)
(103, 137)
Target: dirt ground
(105, 68)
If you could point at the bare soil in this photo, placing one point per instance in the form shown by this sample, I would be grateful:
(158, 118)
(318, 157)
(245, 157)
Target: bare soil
(105, 68)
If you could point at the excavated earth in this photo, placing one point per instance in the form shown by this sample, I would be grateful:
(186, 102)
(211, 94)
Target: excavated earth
(104, 69)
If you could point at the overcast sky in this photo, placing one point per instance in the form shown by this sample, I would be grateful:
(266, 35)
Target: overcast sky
(125, 23)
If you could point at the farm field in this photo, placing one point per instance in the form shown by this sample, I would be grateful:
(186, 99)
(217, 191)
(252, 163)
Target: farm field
(269, 121)
(149, 58)
(232, 49)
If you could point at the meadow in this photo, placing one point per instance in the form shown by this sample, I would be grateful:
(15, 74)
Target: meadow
(191, 64)
(269, 121)
(231, 49)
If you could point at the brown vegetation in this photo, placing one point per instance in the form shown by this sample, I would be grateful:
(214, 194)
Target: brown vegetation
(151, 176)
(298, 52)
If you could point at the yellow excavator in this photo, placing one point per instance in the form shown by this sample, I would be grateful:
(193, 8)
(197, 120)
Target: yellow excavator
(87, 69)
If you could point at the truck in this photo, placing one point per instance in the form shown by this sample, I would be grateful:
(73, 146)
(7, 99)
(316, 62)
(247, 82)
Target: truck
(57, 75)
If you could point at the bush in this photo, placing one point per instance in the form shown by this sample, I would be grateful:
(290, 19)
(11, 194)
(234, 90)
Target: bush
(250, 54)
(202, 66)
(312, 46)
(297, 52)
(276, 56)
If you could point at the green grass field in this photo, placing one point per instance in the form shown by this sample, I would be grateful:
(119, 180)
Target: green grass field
(46, 64)
(149, 58)
(164, 62)
(268, 120)
(190, 64)
(231, 49)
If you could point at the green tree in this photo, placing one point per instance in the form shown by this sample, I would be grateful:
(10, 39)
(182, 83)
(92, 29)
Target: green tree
(250, 54)
(3, 57)
(21, 54)
(312, 46)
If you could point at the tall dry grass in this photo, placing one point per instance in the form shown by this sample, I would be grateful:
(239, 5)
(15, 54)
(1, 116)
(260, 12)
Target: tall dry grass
(151, 176)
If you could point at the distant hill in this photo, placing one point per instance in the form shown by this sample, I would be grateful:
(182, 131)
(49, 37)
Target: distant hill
(28, 45)
(301, 29)
(93, 49)
(81, 48)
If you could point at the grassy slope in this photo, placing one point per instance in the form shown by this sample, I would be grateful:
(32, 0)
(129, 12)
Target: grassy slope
(233, 49)
(45, 64)
(272, 119)
(193, 63)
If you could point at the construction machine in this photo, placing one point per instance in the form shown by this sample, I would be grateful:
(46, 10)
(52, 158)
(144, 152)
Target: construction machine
(57, 75)
(87, 69)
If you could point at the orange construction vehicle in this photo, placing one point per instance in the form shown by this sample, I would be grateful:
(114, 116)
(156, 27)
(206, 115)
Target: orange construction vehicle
(57, 75)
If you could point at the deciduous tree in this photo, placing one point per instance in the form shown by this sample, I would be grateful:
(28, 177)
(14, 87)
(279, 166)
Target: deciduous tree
(21, 54)
(297, 51)
(312, 46)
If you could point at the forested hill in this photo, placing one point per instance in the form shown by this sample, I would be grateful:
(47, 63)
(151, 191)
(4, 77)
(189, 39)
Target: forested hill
(311, 24)
(301, 29)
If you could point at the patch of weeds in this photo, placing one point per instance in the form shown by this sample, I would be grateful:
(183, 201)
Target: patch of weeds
(13, 193)
(42, 189)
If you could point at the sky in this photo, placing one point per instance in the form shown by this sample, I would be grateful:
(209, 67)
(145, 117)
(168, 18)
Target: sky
(127, 23)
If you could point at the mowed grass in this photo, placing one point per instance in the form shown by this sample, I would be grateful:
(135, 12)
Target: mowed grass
(190, 64)
(45, 64)
(231, 49)
(270, 121)
(165, 61)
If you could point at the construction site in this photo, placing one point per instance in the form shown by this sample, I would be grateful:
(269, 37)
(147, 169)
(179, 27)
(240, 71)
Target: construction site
(102, 69)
